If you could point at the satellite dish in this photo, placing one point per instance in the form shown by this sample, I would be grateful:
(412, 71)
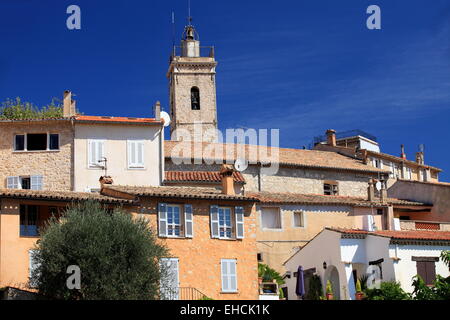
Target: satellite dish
(378, 185)
(165, 116)
(240, 165)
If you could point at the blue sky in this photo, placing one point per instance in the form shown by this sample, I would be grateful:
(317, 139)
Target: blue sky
(300, 66)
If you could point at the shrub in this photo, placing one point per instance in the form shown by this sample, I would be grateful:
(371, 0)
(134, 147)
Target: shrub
(389, 290)
(315, 290)
(118, 255)
(439, 291)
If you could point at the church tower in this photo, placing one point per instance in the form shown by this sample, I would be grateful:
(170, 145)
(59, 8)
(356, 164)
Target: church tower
(192, 88)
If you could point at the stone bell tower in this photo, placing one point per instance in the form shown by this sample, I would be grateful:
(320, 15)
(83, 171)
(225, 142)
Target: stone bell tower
(192, 87)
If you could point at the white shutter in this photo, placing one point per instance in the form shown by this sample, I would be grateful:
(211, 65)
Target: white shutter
(214, 213)
(96, 152)
(162, 219)
(13, 183)
(188, 221)
(239, 213)
(229, 275)
(135, 154)
(36, 182)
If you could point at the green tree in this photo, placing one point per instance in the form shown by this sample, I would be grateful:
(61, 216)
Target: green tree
(118, 255)
(19, 110)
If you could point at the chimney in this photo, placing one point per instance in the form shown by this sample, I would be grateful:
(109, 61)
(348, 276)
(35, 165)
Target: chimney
(227, 179)
(403, 154)
(157, 110)
(371, 191)
(105, 180)
(420, 159)
(331, 137)
(69, 107)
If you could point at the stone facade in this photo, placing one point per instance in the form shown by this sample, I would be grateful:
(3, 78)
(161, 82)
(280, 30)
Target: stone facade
(296, 180)
(55, 166)
(184, 74)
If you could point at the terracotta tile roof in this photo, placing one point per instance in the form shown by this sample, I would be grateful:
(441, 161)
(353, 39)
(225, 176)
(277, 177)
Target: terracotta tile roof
(116, 120)
(261, 154)
(59, 196)
(400, 235)
(175, 192)
(296, 198)
(399, 159)
(199, 176)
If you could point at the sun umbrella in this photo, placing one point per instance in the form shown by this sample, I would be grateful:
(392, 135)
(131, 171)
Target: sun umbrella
(300, 287)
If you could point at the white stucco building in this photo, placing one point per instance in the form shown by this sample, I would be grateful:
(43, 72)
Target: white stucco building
(130, 150)
(344, 255)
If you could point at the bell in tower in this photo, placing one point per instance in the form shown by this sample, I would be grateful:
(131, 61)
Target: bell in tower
(190, 44)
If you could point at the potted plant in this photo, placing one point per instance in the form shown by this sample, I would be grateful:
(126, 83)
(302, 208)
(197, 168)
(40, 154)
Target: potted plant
(359, 295)
(329, 291)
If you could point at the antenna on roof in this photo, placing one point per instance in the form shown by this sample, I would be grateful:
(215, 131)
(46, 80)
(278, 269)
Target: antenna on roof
(173, 29)
(189, 13)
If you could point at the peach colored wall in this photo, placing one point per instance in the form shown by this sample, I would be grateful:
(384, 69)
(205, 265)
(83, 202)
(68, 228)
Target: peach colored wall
(14, 257)
(200, 257)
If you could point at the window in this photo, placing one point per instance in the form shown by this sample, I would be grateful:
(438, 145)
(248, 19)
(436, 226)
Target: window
(174, 222)
(408, 173)
(299, 219)
(26, 182)
(36, 142)
(377, 163)
(135, 154)
(270, 218)
(19, 142)
(225, 228)
(28, 221)
(229, 275)
(225, 225)
(426, 268)
(195, 98)
(96, 153)
(330, 188)
(259, 256)
(53, 142)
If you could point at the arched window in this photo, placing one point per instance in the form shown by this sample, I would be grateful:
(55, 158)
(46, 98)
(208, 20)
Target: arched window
(195, 98)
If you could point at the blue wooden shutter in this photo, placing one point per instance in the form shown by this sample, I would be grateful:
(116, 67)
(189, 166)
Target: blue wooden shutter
(239, 213)
(214, 213)
(188, 221)
(162, 219)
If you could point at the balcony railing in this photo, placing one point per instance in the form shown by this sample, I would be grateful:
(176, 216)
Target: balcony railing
(183, 293)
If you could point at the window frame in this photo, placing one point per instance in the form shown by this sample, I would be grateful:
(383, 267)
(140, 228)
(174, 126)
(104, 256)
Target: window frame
(180, 219)
(303, 219)
(231, 227)
(197, 89)
(26, 220)
(279, 215)
(334, 188)
(25, 142)
(20, 182)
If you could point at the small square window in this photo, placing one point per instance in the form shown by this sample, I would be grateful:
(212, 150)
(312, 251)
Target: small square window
(299, 219)
(19, 142)
(259, 256)
(271, 218)
(330, 189)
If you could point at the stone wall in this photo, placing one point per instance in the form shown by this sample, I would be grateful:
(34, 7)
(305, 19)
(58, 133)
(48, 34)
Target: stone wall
(54, 166)
(296, 180)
